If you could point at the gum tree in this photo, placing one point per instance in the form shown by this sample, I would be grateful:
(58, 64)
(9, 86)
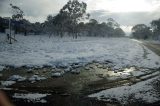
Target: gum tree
(69, 16)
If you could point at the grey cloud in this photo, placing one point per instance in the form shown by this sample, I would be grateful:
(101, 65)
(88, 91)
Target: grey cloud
(4, 8)
(127, 19)
(36, 9)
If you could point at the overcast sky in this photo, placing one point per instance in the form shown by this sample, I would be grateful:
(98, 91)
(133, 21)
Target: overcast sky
(126, 12)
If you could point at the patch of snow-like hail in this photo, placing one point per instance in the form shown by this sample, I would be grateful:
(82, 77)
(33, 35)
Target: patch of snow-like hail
(56, 74)
(16, 78)
(1, 68)
(35, 78)
(141, 91)
(33, 97)
(7, 83)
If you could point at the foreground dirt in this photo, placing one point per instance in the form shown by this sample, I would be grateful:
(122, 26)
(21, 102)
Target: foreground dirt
(71, 89)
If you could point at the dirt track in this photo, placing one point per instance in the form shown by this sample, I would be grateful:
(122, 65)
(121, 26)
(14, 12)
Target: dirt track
(154, 47)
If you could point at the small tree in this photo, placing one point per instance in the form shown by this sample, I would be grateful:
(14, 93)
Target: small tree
(17, 13)
(119, 32)
(92, 27)
(112, 23)
(48, 25)
(141, 31)
(156, 28)
(16, 17)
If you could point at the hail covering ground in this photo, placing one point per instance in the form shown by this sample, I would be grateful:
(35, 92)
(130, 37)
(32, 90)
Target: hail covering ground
(40, 50)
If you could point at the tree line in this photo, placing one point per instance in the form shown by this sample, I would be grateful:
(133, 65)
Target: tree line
(72, 20)
(142, 31)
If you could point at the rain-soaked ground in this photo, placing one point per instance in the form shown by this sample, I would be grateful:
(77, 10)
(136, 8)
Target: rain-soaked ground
(73, 87)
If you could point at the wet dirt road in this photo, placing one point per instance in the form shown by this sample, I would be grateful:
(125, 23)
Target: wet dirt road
(152, 46)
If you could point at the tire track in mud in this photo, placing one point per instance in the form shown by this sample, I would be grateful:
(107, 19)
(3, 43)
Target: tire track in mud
(145, 53)
(104, 84)
(153, 47)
